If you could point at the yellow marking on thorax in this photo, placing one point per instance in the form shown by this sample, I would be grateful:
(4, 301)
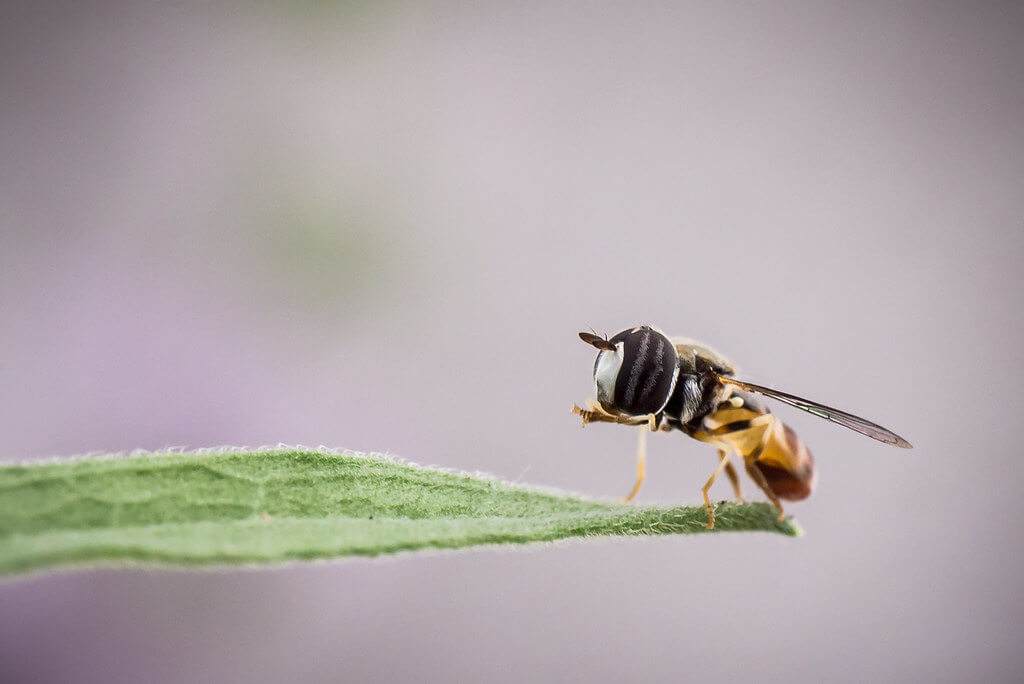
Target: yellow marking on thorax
(744, 440)
(730, 411)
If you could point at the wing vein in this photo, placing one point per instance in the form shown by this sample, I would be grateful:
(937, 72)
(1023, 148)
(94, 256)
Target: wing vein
(837, 416)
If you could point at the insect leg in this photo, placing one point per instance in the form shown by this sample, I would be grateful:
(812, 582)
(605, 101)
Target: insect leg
(759, 479)
(704, 490)
(734, 478)
(763, 423)
(641, 463)
(594, 413)
(749, 462)
(650, 420)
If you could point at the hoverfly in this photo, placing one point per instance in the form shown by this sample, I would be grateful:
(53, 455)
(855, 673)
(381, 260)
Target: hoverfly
(642, 377)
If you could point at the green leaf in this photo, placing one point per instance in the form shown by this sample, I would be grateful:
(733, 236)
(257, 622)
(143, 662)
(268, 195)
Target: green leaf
(204, 508)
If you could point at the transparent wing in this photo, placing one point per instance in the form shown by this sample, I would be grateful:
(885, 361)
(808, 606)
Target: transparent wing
(855, 423)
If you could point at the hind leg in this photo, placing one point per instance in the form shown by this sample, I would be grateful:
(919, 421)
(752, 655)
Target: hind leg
(730, 472)
(759, 479)
(749, 460)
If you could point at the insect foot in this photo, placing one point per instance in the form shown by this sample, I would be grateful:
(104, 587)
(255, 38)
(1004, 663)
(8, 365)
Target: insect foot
(585, 416)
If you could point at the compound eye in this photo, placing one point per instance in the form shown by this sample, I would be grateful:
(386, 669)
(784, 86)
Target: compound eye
(606, 372)
(647, 372)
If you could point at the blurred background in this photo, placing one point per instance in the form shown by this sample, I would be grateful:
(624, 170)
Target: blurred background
(379, 226)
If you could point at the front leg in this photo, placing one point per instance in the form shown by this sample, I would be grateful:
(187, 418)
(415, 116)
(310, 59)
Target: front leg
(641, 465)
(595, 413)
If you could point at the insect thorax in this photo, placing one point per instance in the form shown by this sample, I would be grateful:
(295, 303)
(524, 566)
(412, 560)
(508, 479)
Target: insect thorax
(697, 392)
(695, 396)
(695, 357)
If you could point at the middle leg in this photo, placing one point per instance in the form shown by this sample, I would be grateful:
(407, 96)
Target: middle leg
(707, 485)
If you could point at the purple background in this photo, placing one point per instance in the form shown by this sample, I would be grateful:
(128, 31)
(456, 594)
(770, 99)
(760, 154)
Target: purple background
(379, 227)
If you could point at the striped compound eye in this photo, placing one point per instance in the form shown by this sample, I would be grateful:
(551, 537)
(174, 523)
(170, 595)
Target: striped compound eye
(635, 371)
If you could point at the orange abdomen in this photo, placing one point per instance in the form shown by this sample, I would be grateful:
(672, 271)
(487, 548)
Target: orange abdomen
(787, 463)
